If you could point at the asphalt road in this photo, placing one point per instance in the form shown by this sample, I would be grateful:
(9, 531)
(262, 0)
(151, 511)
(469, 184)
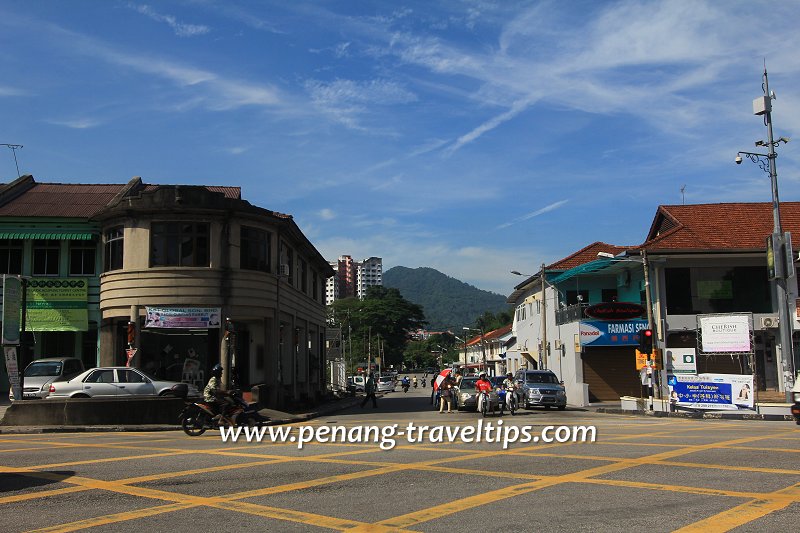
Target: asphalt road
(642, 472)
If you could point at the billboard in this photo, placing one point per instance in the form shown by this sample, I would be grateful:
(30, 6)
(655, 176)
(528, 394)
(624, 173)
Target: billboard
(57, 304)
(725, 333)
(723, 392)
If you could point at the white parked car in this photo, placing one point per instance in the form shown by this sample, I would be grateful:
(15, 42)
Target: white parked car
(118, 382)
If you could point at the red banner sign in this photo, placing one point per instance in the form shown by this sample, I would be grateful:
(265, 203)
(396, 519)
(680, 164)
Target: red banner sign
(615, 310)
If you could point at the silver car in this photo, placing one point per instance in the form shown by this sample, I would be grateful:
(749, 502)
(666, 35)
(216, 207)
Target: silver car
(468, 398)
(40, 373)
(540, 387)
(386, 384)
(118, 382)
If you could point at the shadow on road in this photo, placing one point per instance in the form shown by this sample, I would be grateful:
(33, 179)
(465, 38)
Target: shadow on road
(419, 401)
(19, 482)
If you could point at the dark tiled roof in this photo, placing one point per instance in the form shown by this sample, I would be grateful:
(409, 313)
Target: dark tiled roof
(60, 200)
(718, 227)
(229, 192)
(585, 255)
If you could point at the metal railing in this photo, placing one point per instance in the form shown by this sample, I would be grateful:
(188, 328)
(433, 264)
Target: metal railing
(571, 313)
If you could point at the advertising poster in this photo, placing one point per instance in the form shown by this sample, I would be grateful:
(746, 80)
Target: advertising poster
(720, 392)
(13, 370)
(725, 333)
(183, 317)
(616, 333)
(57, 304)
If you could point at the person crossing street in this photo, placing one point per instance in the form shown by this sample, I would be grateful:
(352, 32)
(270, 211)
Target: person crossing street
(369, 389)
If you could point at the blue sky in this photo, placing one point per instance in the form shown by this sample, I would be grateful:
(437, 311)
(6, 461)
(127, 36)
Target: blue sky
(473, 137)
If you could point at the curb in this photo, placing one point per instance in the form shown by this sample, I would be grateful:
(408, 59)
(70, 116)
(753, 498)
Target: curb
(33, 430)
(697, 416)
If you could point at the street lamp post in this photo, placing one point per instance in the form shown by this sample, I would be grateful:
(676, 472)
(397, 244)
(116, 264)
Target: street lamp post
(483, 348)
(781, 243)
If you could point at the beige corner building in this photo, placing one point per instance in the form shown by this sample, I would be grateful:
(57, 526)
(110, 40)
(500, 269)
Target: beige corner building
(188, 276)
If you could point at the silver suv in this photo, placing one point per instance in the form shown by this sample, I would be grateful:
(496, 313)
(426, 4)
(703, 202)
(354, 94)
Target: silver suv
(42, 372)
(540, 387)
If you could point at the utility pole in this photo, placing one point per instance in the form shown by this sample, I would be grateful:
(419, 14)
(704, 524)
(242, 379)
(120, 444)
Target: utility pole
(543, 351)
(781, 242)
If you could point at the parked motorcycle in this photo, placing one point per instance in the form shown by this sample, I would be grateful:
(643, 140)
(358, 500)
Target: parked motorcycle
(197, 417)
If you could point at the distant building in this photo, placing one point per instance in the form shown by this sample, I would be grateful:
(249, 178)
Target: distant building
(353, 278)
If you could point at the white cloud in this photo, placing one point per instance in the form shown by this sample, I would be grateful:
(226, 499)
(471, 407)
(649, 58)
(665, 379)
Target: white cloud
(345, 100)
(528, 216)
(237, 150)
(180, 29)
(78, 124)
(327, 214)
(209, 89)
(10, 91)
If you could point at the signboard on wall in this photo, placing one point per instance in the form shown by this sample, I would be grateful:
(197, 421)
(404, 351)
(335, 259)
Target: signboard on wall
(682, 360)
(712, 391)
(611, 333)
(725, 333)
(183, 317)
(57, 304)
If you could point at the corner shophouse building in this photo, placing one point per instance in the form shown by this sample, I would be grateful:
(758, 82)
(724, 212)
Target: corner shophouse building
(703, 259)
(193, 256)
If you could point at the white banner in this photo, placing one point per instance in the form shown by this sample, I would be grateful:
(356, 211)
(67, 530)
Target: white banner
(725, 333)
(183, 317)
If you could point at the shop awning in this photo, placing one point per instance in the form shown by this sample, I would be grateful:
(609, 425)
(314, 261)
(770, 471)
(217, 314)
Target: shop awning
(47, 235)
(586, 268)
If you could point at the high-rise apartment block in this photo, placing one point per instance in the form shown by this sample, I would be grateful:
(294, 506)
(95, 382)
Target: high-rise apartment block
(353, 278)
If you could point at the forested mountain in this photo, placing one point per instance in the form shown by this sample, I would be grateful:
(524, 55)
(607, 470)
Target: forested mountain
(448, 303)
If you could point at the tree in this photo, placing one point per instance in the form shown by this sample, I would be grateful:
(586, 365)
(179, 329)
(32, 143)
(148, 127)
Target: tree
(383, 318)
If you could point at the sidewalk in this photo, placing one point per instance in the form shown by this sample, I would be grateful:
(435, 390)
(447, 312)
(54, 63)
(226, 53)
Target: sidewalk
(275, 418)
(769, 411)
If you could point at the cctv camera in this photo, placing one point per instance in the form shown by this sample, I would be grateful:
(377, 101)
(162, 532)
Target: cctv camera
(738, 160)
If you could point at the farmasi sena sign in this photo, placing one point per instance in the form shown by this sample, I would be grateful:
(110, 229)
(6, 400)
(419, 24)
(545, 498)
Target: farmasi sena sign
(617, 333)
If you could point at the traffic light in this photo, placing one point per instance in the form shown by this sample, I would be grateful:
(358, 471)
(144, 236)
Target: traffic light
(646, 341)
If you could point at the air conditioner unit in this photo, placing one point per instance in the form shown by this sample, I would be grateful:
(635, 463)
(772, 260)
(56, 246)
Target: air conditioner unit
(283, 270)
(769, 322)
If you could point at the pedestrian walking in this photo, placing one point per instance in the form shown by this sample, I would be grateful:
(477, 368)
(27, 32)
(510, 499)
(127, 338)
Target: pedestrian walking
(446, 389)
(369, 389)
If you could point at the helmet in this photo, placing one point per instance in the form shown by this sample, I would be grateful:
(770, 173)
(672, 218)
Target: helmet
(217, 371)
(482, 375)
(509, 375)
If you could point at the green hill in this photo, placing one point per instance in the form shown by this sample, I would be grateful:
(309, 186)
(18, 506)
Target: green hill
(448, 302)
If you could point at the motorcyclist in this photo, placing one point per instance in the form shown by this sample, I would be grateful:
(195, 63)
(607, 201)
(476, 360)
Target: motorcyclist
(510, 389)
(218, 398)
(405, 383)
(414, 381)
(482, 385)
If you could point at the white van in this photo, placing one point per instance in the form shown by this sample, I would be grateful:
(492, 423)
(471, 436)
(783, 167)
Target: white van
(358, 382)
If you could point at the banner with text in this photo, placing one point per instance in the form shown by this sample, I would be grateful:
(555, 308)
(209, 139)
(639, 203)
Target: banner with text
(725, 333)
(712, 391)
(183, 317)
(615, 333)
(57, 304)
